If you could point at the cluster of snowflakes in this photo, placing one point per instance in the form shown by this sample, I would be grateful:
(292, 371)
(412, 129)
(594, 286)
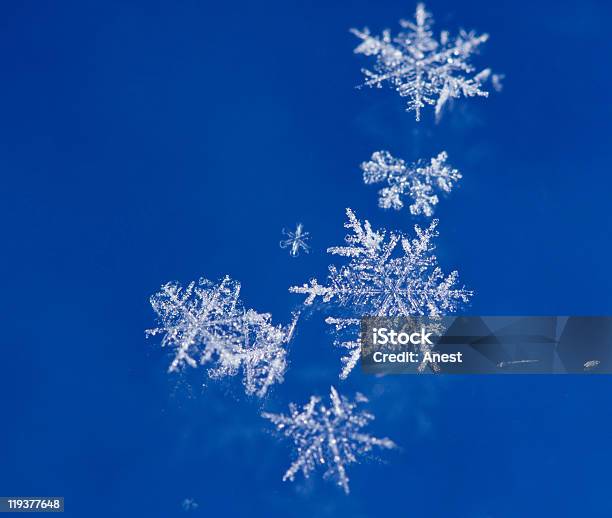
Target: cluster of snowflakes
(422, 68)
(206, 324)
(384, 274)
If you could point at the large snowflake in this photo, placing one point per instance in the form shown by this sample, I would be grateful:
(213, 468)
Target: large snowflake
(421, 67)
(329, 436)
(416, 181)
(386, 276)
(378, 281)
(205, 323)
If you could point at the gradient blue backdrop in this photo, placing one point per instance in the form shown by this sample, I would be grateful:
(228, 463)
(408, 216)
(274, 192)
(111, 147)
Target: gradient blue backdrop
(142, 142)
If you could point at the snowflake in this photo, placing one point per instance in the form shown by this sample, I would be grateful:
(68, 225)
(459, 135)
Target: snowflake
(189, 504)
(380, 280)
(420, 67)
(376, 281)
(416, 181)
(296, 240)
(205, 323)
(497, 81)
(327, 436)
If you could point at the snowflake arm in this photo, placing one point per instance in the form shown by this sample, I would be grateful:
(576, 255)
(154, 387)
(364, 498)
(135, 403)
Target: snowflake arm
(327, 435)
(421, 68)
(353, 347)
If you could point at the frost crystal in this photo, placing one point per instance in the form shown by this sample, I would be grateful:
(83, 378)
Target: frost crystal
(205, 323)
(416, 181)
(327, 436)
(295, 240)
(382, 279)
(422, 68)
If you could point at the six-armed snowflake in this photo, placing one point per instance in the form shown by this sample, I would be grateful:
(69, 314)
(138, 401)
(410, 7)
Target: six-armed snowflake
(416, 181)
(295, 240)
(327, 436)
(384, 279)
(422, 68)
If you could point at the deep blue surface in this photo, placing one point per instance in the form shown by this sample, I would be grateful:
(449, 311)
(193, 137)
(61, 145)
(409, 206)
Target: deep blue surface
(142, 142)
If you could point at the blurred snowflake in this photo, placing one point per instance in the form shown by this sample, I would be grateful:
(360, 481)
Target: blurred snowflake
(422, 68)
(416, 181)
(295, 240)
(189, 504)
(378, 281)
(329, 436)
(206, 323)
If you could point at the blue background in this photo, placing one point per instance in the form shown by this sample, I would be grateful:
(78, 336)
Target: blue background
(142, 142)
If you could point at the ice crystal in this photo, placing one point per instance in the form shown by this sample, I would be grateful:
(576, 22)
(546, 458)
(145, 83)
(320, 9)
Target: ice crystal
(206, 324)
(497, 81)
(378, 282)
(329, 436)
(422, 68)
(384, 279)
(416, 181)
(189, 504)
(295, 240)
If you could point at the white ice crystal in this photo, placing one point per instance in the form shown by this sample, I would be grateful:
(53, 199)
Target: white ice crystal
(206, 324)
(327, 436)
(416, 181)
(295, 240)
(385, 280)
(421, 67)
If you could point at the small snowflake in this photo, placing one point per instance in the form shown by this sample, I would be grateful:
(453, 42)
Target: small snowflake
(422, 68)
(497, 80)
(189, 504)
(416, 181)
(296, 240)
(327, 436)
